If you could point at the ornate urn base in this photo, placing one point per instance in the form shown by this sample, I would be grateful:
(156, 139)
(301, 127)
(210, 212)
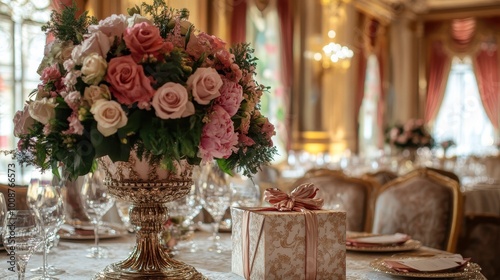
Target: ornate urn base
(148, 214)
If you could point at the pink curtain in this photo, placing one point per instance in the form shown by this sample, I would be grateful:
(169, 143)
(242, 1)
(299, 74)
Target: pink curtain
(239, 21)
(487, 78)
(285, 14)
(439, 68)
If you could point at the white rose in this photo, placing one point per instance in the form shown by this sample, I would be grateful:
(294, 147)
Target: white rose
(22, 121)
(109, 116)
(113, 26)
(94, 93)
(43, 110)
(136, 18)
(205, 84)
(93, 68)
(171, 101)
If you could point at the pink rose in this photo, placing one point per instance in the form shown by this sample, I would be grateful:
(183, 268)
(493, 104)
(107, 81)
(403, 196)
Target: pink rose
(143, 38)
(23, 122)
(109, 116)
(128, 82)
(245, 140)
(171, 101)
(50, 74)
(218, 139)
(94, 93)
(231, 95)
(205, 84)
(43, 110)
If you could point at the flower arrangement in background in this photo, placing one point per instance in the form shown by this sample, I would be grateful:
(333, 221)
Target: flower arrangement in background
(148, 82)
(447, 144)
(413, 134)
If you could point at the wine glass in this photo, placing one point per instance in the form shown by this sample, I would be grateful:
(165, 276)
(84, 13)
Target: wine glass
(3, 212)
(244, 191)
(96, 201)
(45, 199)
(21, 235)
(215, 197)
(187, 208)
(123, 208)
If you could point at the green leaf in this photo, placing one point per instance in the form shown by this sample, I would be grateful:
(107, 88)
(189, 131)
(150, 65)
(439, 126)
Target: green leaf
(109, 146)
(132, 126)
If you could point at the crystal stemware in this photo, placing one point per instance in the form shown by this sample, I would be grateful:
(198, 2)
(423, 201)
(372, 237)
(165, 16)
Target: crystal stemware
(45, 199)
(3, 212)
(96, 201)
(21, 235)
(215, 194)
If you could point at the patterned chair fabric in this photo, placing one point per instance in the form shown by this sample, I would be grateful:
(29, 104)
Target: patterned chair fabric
(481, 242)
(381, 176)
(354, 193)
(423, 204)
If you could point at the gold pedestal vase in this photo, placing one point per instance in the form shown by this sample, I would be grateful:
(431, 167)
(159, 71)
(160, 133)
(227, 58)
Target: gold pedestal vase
(148, 188)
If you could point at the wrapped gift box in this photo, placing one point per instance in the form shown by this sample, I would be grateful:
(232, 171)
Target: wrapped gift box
(280, 251)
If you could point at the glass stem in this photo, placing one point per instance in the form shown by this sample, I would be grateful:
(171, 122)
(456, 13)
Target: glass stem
(96, 234)
(44, 253)
(216, 237)
(21, 269)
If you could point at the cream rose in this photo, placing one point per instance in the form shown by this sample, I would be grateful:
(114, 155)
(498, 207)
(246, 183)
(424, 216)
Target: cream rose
(109, 116)
(136, 18)
(205, 84)
(43, 110)
(171, 102)
(93, 93)
(93, 68)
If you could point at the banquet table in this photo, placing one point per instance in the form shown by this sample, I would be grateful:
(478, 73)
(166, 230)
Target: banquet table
(70, 256)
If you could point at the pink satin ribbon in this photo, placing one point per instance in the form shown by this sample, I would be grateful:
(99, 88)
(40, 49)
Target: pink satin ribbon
(301, 199)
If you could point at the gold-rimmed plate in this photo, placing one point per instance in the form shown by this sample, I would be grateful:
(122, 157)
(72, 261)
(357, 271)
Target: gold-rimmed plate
(471, 271)
(407, 246)
(106, 231)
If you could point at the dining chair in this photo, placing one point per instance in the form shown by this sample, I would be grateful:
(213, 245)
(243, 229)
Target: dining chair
(381, 176)
(422, 203)
(354, 195)
(480, 240)
(450, 174)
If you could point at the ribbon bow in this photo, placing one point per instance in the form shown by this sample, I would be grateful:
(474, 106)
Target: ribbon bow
(302, 197)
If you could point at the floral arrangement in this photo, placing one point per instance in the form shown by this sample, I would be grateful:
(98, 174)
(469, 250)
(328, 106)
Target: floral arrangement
(413, 134)
(148, 82)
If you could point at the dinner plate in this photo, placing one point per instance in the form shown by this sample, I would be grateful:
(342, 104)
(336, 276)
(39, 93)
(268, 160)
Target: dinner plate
(471, 271)
(407, 246)
(106, 231)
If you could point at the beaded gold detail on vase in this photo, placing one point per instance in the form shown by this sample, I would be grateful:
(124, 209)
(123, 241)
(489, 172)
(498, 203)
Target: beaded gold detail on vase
(148, 187)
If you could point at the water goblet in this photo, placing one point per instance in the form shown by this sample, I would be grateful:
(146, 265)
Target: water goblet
(21, 235)
(96, 202)
(215, 194)
(3, 212)
(123, 208)
(45, 199)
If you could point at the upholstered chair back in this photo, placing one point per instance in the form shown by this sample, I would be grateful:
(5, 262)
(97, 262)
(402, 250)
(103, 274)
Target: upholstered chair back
(381, 176)
(423, 204)
(354, 195)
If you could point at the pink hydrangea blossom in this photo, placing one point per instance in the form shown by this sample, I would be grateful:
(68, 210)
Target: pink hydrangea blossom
(218, 139)
(75, 126)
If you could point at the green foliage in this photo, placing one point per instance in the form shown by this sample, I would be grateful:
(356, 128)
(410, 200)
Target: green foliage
(67, 26)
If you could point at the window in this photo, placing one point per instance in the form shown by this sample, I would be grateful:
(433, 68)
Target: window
(368, 132)
(461, 117)
(20, 30)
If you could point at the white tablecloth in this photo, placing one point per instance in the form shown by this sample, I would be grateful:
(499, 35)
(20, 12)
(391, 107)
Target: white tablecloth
(482, 198)
(70, 256)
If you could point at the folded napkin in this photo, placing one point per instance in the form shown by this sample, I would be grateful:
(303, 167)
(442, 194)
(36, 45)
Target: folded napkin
(86, 230)
(440, 263)
(378, 240)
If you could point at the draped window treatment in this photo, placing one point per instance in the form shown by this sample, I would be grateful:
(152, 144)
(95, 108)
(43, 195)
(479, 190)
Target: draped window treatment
(438, 74)
(374, 42)
(239, 21)
(486, 63)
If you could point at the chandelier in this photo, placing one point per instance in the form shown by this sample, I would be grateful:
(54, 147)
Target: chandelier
(333, 53)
